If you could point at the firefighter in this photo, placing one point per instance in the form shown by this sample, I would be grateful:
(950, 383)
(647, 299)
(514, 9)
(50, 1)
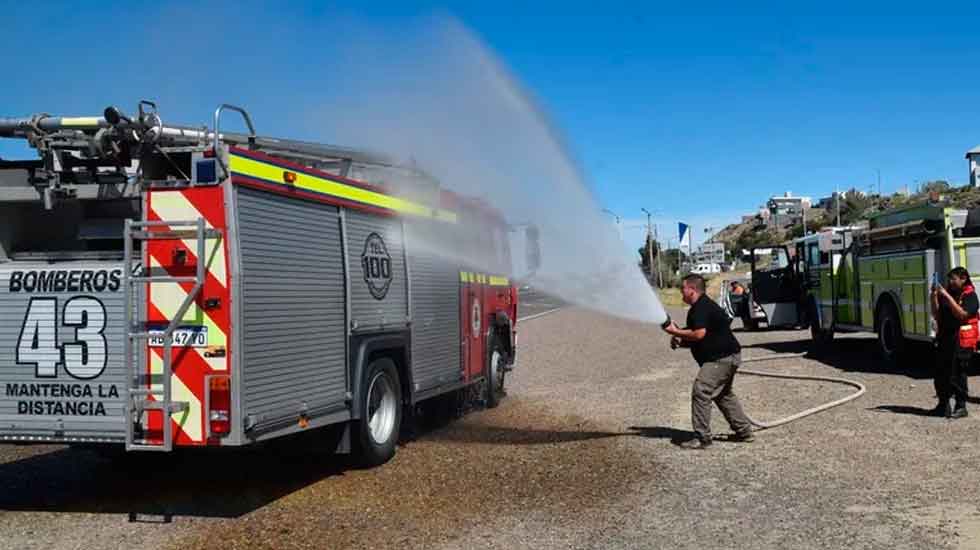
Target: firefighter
(737, 288)
(955, 308)
(714, 347)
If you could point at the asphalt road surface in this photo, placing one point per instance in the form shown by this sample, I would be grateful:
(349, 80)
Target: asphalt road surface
(533, 302)
(579, 455)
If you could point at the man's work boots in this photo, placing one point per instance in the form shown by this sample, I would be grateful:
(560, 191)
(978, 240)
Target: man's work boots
(695, 444)
(959, 412)
(744, 437)
(941, 410)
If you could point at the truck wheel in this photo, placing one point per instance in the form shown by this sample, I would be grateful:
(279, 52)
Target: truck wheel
(819, 336)
(381, 413)
(495, 375)
(891, 341)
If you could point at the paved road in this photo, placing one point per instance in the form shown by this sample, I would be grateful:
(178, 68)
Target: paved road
(533, 302)
(579, 455)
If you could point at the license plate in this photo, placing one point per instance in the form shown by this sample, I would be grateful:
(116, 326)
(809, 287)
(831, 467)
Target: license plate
(194, 337)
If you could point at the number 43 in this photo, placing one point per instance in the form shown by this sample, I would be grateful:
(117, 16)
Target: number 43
(85, 358)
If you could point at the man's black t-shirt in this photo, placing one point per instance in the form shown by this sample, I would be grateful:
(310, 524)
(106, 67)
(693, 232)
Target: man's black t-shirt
(718, 340)
(949, 325)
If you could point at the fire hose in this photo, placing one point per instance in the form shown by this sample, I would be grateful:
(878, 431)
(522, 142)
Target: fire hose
(802, 414)
(811, 411)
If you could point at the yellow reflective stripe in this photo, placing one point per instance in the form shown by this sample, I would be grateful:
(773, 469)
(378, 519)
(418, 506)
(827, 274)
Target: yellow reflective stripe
(493, 280)
(174, 206)
(189, 420)
(167, 298)
(80, 121)
(273, 174)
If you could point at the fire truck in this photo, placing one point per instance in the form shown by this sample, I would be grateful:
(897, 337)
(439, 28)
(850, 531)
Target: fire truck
(168, 286)
(874, 279)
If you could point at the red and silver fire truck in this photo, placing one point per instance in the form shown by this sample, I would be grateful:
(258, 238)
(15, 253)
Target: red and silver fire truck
(166, 286)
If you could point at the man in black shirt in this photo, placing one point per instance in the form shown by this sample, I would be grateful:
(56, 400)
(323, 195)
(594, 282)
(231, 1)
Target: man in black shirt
(953, 308)
(714, 347)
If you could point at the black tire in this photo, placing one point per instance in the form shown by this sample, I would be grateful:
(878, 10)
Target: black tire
(495, 374)
(891, 340)
(820, 338)
(381, 401)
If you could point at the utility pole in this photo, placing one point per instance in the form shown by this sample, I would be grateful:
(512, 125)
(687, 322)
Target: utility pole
(650, 238)
(878, 171)
(838, 205)
(660, 276)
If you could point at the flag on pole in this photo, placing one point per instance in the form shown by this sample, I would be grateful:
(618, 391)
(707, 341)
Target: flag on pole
(684, 236)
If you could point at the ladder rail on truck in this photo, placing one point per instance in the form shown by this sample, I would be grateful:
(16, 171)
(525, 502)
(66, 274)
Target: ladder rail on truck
(878, 278)
(168, 286)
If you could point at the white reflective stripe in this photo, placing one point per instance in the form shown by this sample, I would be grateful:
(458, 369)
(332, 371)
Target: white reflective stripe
(174, 206)
(189, 420)
(841, 302)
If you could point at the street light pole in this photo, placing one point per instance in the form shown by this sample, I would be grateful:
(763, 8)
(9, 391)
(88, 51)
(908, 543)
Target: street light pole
(650, 237)
(660, 277)
(837, 194)
(619, 224)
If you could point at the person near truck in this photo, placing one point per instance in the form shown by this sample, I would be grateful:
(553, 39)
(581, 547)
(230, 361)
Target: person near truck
(955, 308)
(709, 336)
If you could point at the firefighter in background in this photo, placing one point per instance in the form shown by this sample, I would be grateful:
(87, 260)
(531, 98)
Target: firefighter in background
(737, 288)
(955, 308)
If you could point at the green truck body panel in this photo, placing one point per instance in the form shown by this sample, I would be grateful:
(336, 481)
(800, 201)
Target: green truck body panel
(852, 287)
(849, 274)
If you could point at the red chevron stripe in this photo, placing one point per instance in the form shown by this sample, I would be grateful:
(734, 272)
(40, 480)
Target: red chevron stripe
(188, 366)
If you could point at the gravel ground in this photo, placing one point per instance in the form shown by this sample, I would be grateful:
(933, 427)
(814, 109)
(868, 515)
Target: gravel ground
(579, 455)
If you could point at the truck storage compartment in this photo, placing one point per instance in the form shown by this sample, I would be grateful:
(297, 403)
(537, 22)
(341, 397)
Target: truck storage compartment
(61, 350)
(293, 307)
(62, 334)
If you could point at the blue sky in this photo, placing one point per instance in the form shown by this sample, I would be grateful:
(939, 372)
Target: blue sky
(698, 117)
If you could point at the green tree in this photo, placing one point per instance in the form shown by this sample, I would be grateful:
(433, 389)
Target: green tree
(934, 186)
(645, 256)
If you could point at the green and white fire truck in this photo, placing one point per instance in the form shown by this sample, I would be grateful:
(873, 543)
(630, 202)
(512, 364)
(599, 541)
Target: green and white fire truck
(874, 279)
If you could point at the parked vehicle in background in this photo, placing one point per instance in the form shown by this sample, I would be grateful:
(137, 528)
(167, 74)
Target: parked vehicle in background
(706, 269)
(875, 279)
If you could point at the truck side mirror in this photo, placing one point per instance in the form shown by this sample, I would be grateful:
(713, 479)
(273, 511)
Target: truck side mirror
(533, 248)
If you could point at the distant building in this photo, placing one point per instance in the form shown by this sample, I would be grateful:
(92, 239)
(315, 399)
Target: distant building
(786, 210)
(973, 158)
(829, 203)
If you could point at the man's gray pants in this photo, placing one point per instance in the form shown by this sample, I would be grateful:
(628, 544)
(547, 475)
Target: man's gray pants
(714, 384)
